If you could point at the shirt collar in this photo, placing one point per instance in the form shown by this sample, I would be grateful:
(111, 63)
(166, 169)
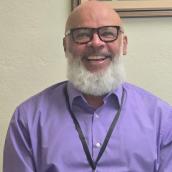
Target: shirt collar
(74, 94)
(116, 94)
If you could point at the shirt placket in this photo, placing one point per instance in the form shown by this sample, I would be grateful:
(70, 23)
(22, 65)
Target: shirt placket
(97, 140)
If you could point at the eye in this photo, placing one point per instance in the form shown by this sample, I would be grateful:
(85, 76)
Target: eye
(82, 34)
(107, 34)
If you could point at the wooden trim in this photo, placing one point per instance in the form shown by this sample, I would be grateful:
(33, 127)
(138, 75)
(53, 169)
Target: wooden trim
(144, 8)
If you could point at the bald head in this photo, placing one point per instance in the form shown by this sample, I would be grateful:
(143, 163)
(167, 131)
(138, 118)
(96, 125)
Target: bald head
(92, 14)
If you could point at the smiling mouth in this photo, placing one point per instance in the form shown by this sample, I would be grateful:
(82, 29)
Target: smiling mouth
(97, 58)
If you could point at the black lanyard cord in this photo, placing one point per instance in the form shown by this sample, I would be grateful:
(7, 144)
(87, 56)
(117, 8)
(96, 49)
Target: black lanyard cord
(92, 163)
(111, 128)
(83, 141)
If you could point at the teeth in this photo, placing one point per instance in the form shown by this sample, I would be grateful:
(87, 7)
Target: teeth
(95, 57)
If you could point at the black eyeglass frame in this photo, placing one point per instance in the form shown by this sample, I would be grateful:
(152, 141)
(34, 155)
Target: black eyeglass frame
(93, 30)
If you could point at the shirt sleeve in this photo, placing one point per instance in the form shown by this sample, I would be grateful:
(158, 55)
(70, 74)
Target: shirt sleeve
(166, 146)
(17, 150)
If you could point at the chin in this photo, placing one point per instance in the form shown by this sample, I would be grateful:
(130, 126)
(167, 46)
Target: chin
(95, 82)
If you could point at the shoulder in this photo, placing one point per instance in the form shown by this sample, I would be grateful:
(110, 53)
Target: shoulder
(47, 95)
(140, 99)
(133, 89)
(49, 99)
(147, 104)
(136, 92)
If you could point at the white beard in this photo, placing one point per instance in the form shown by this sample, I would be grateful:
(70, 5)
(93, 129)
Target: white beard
(96, 83)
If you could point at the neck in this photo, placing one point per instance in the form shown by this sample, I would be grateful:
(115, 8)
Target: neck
(94, 101)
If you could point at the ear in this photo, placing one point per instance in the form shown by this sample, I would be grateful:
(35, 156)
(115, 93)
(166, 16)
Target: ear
(125, 44)
(64, 44)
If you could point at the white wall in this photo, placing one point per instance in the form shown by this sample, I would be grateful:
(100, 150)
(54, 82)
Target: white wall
(32, 58)
(31, 53)
(149, 57)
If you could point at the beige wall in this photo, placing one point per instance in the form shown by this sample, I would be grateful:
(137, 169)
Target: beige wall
(149, 57)
(32, 58)
(31, 52)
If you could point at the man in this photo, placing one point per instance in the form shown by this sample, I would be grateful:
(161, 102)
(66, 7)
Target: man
(95, 121)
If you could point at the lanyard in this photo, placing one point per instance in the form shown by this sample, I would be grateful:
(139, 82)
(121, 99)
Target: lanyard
(92, 163)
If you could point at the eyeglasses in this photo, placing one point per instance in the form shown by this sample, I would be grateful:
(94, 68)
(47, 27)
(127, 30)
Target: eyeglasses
(84, 35)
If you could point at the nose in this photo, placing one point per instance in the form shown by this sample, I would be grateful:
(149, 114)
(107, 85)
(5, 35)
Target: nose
(96, 41)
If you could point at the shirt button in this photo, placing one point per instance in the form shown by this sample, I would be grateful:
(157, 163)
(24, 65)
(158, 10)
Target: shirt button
(98, 145)
(96, 115)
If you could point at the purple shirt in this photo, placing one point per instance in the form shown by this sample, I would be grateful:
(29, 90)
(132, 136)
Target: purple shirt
(42, 136)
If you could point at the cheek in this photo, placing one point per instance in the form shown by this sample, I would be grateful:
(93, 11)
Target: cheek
(114, 49)
(76, 50)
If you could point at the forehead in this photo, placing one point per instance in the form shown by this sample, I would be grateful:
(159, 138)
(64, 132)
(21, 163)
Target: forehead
(90, 16)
